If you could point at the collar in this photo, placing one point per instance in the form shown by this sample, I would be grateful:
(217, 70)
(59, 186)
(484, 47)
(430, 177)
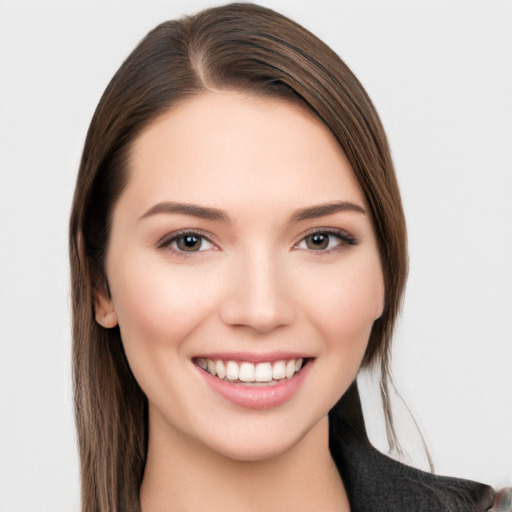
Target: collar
(377, 483)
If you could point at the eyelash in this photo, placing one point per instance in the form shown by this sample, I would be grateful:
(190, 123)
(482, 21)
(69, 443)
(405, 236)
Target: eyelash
(344, 240)
(171, 240)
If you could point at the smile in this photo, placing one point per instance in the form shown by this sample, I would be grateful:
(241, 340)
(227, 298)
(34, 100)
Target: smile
(254, 385)
(252, 374)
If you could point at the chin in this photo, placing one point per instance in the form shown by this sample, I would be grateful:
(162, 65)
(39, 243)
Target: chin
(262, 442)
(255, 450)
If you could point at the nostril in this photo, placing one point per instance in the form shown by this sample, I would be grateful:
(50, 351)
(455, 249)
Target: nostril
(264, 316)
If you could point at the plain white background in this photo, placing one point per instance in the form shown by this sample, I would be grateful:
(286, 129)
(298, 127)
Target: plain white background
(439, 72)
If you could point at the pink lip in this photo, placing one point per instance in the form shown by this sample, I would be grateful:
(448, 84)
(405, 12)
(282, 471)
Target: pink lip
(257, 397)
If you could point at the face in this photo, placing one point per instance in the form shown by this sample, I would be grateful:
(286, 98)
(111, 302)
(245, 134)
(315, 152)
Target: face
(244, 273)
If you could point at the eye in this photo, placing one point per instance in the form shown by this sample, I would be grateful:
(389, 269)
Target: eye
(186, 242)
(323, 241)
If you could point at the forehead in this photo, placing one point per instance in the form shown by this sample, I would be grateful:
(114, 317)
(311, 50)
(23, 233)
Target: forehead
(224, 146)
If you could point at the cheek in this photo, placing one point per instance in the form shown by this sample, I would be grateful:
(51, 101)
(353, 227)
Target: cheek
(157, 305)
(347, 302)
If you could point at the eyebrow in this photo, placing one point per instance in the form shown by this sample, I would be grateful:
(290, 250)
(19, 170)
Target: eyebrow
(194, 210)
(322, 210)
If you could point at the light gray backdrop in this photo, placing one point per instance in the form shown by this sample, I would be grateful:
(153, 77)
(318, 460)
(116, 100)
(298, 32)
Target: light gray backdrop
(439, 72)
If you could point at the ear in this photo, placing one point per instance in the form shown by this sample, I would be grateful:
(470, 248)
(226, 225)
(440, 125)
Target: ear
(104, 311)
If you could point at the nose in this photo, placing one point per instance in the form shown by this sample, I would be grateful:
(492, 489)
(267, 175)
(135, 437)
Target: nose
(258, 295)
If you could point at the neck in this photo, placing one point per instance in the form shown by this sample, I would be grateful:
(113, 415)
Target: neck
(181, 475)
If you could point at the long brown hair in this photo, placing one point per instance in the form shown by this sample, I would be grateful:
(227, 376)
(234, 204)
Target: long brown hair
(234, 47)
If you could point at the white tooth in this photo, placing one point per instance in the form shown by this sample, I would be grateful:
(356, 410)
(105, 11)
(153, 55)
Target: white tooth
(211, 366)
(279, 370)
(246, 372)
(263, 372)
(232, 370)
(220, 369)
(298, 364)
(290, 368)
(202, 363)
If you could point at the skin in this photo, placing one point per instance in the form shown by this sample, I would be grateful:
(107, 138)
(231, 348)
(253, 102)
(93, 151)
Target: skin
(256, 285)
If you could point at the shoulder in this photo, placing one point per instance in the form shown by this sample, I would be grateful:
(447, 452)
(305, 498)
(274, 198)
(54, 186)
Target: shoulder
(375, 482)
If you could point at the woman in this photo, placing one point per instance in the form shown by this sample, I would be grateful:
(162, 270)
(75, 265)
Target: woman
(238, 252)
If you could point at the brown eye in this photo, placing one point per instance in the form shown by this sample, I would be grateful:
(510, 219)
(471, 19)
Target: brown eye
(189, 243)
(324, 241)
(317, 241)
(186, 242)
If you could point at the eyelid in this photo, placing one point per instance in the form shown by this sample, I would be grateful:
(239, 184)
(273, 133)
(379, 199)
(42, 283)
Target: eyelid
(346, 239)
(166, 240)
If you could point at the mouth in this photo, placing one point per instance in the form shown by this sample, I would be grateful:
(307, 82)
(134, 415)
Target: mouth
(264, 373)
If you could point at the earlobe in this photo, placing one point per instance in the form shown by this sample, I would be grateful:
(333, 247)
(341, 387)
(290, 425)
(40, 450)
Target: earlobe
(104, 311)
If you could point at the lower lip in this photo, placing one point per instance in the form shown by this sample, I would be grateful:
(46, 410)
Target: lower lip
(257, 397)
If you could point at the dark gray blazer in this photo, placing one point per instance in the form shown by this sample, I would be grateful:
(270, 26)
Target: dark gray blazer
(377, 483)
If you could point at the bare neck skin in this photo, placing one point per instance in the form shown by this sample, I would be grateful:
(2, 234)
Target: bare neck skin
(183, 475)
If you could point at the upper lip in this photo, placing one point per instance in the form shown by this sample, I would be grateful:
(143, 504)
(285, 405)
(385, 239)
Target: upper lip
(253, 357)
